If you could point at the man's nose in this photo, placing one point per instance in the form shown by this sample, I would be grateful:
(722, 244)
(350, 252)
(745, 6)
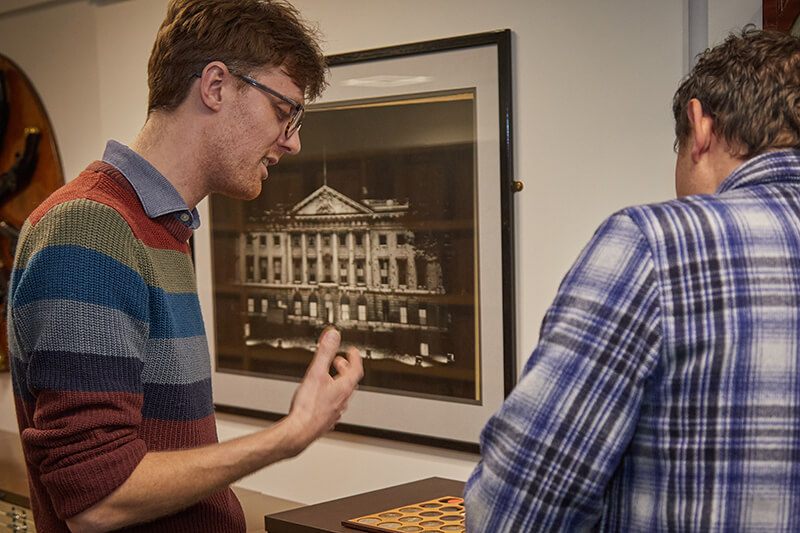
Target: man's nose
(291, 145)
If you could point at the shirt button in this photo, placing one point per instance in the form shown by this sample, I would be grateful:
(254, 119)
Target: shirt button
(185, 217)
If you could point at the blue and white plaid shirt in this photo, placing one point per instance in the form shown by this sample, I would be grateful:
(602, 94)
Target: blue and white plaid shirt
(664, 394)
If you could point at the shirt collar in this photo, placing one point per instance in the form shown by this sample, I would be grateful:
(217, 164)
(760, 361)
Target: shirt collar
(779, 166)
(156, 193)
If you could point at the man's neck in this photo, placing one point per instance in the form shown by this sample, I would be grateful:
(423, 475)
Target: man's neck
(164, 144)
(723, 165)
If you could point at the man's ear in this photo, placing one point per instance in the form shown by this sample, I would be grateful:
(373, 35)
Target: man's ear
(702, 129)
(211, 81)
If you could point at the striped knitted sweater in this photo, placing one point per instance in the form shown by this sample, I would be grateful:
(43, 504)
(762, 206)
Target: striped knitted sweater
(108, 351)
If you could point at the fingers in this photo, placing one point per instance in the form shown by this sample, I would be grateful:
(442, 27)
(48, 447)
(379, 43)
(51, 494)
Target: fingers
(356, 363)
(351, 368)
(321, 400)
(341, 365)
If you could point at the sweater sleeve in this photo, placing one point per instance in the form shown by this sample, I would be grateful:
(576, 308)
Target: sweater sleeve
(78, 315)
(549, 452)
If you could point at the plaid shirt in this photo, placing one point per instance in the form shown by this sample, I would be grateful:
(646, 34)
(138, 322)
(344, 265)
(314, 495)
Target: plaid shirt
(664, 394)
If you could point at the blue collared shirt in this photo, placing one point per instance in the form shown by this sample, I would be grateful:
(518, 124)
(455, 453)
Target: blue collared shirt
(664, 393)
(156, 193)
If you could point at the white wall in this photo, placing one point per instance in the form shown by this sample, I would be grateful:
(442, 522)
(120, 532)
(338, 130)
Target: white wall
(710, 21)
(593, 83)
(724, 15)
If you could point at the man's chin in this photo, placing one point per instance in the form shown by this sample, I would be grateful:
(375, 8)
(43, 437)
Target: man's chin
(242, 194)
(253, 194)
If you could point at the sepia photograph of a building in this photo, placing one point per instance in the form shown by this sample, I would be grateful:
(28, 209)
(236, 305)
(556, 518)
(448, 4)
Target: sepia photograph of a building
(369, 229)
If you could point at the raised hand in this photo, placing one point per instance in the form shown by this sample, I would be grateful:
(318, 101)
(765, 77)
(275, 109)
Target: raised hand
(321, 399)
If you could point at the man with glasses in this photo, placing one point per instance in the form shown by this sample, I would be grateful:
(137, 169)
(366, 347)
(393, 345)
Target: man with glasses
(110, 364)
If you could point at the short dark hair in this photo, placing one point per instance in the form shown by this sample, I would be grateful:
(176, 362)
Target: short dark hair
(750, 86)
(243, 34)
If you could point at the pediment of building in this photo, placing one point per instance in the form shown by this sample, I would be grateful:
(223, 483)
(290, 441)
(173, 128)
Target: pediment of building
(329, 201)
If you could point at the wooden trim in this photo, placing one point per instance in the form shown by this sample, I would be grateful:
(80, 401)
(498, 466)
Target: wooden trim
(780, 14)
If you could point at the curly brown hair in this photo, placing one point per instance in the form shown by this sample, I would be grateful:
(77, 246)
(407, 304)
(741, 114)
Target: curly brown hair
(243, 34)
(750, 86)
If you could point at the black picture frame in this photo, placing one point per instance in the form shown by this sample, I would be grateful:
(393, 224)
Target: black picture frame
(254, 255)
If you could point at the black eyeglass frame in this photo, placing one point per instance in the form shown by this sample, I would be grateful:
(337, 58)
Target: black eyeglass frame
(295, 121)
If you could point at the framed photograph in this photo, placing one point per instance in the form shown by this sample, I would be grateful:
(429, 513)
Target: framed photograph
(395, 224)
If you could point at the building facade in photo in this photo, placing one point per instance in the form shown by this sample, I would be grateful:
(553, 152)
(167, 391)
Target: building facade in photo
(333, 260)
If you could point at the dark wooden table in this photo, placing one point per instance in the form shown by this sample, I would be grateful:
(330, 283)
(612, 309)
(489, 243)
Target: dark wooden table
(327, 517)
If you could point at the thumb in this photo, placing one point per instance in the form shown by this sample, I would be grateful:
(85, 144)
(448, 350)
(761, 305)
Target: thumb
(327, 347)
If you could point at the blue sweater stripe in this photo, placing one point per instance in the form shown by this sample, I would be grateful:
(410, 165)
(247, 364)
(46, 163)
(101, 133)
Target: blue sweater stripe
(82, 266)
(181, 316)
(178, 402)
(80, 372)
(176, 386)
(18, 369)
(77, 372)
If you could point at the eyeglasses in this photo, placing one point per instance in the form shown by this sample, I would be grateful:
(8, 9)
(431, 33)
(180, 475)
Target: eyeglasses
(296, 120)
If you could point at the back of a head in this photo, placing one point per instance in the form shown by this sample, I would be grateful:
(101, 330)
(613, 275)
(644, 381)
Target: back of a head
(750, 86)
(243, 34)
